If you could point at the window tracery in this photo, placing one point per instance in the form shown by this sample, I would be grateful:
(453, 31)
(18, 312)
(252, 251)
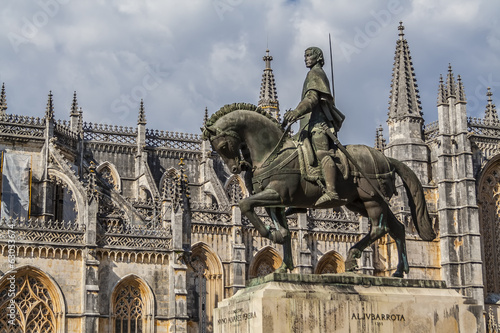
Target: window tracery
(35, 307)
(266, 261)
(128, 310)
(330, 263)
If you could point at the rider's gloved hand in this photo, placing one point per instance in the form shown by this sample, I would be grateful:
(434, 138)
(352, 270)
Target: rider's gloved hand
(291, 116)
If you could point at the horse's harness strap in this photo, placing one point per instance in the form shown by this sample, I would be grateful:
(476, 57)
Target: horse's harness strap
(274, 153)
(271, 170)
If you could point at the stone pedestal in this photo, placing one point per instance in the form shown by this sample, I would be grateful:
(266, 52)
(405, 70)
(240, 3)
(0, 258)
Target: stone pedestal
(347, 302)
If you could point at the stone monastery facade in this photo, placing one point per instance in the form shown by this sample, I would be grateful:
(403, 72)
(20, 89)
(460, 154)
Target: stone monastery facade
(130, 229)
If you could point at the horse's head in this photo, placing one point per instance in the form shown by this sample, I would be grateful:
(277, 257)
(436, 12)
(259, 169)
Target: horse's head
(227, 144)
(243, 135)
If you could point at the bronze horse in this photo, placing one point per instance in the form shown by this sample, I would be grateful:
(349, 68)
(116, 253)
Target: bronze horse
(247, 138)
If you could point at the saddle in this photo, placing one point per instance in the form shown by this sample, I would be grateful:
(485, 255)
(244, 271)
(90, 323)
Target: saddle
(310, 168)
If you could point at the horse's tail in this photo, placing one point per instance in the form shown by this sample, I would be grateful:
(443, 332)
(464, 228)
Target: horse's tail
(416, 200)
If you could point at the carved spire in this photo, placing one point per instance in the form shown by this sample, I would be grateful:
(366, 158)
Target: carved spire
(3, 101)
(74, 106)
(49, 111)
(182, 185)
(142, 114)
(441, 92)
(491, 114)
(460, 92)
(91, 187)
(450, 83)
(205, 117)
(268, 97)
(379, 139)
(404, 100)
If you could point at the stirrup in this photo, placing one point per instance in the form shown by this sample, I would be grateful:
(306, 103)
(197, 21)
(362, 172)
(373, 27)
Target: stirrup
(327, 197)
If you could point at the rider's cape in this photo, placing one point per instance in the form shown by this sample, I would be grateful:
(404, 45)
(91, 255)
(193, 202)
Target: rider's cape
(316, 79)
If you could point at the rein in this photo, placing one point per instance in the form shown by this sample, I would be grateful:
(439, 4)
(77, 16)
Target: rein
(276, 149)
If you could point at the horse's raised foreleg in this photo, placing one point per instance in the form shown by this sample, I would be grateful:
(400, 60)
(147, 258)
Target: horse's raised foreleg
(377, 213)
(278, 215)
(397, 232)
(268, 197)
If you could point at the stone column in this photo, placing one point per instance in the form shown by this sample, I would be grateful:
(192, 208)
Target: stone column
(237, 265)
(91, 270)
(304, 258)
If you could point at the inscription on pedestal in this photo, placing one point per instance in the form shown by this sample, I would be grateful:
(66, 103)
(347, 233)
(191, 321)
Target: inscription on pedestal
(237, 316)
(378, 316)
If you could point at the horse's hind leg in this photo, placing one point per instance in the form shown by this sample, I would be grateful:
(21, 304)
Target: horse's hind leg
(278, 215)
(377, 213)
(397, 232)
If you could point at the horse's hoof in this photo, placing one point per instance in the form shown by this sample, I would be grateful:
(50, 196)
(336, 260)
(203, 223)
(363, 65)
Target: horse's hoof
(398, 274)
(278, 237)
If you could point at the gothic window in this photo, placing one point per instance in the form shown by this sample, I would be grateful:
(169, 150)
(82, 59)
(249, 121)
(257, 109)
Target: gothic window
(106, 174)
(132, 306)
(128, 310)
(266, 261)
(63, 202)
(489, 223)
(110, 174)
(330, 263)
(37, 304)
(206, 287)
(235, 189)
(169, 191)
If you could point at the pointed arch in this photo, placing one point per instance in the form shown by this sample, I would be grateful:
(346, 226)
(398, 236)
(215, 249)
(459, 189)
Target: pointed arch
(109, 172)
(168, 183)
(488, 194)
(235, 189)
(266, 261)
(132, 306)
(330, 263)
(206, 281)
(38, 300)
(168, 192)
(67, 197)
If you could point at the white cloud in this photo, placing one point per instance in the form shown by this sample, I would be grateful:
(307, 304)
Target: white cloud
(209, 53)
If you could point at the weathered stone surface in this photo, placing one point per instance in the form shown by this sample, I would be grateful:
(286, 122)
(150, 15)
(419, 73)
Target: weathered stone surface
(346, 303)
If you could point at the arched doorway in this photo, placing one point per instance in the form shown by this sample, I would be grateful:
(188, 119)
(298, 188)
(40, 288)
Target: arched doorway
(266, 261)
(132, 306)
(488, 194)
(330, 263)
(206, 286)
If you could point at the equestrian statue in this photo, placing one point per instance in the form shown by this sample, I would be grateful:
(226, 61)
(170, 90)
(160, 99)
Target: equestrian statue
(312, 169)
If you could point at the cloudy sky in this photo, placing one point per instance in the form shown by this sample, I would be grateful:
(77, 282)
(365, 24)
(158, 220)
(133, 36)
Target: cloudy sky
(183, 56)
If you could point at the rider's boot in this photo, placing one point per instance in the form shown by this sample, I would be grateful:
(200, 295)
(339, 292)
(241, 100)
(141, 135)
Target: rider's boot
(330, 174)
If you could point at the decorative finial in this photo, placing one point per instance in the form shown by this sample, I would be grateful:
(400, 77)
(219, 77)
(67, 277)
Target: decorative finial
(74, 106)
(3, 100)
(205, 117)
(142, 114)
(267, 59)
(441, 92)
(450, 83)
(491, 115)
(379, 139)
(401, 29)
(460, 90)
(49, 111)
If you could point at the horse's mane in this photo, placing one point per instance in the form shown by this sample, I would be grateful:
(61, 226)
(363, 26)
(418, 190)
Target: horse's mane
(228, 108)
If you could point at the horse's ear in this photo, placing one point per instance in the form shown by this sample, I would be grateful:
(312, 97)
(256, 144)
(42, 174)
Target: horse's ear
(208, 131)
